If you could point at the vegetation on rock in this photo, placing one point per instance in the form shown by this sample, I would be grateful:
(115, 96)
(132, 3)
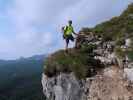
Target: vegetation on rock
(81, 61)
(77, 61)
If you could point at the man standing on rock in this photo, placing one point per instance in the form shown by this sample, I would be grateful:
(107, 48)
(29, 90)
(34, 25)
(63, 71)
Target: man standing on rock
(68, 32)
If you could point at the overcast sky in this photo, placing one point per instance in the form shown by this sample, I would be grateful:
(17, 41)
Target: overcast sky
(30, 27)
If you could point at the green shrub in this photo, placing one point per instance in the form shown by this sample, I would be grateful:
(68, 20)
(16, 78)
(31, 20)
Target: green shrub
(130, 55)
(120, 41)
(85, 30)
(88, 48)
(75, 61)
(119, 52)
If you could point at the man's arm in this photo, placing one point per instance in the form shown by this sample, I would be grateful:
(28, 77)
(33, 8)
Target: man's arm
(74, 31)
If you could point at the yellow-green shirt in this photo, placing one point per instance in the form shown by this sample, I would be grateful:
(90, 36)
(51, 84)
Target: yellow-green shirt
(68, 30)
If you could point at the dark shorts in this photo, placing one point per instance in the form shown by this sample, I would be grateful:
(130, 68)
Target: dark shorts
(68, 38)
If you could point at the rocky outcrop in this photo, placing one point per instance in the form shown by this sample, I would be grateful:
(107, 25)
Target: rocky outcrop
(112, 81)
(109, 83)
(109, 86)
(63, 87)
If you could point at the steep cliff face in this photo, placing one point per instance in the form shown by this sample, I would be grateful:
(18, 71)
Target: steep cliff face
(99, 68)
(109, 83)
(63, 87)
(106, 79)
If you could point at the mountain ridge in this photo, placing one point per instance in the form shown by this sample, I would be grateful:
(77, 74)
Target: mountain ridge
(20, 79)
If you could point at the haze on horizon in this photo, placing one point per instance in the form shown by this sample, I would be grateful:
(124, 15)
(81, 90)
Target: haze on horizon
(30, 27)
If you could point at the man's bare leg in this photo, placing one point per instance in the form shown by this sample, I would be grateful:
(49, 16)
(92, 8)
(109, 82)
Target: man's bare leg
(66, 46)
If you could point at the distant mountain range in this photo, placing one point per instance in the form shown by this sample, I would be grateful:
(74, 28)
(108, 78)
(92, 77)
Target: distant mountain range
(21, 79)
(34, 57)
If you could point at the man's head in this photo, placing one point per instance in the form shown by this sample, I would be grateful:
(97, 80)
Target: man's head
(70, 22)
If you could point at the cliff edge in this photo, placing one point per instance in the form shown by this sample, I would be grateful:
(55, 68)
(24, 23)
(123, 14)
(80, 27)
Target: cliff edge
(100, 67)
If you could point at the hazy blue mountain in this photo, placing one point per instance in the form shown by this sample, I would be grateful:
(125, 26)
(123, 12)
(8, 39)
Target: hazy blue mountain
(21, 79)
